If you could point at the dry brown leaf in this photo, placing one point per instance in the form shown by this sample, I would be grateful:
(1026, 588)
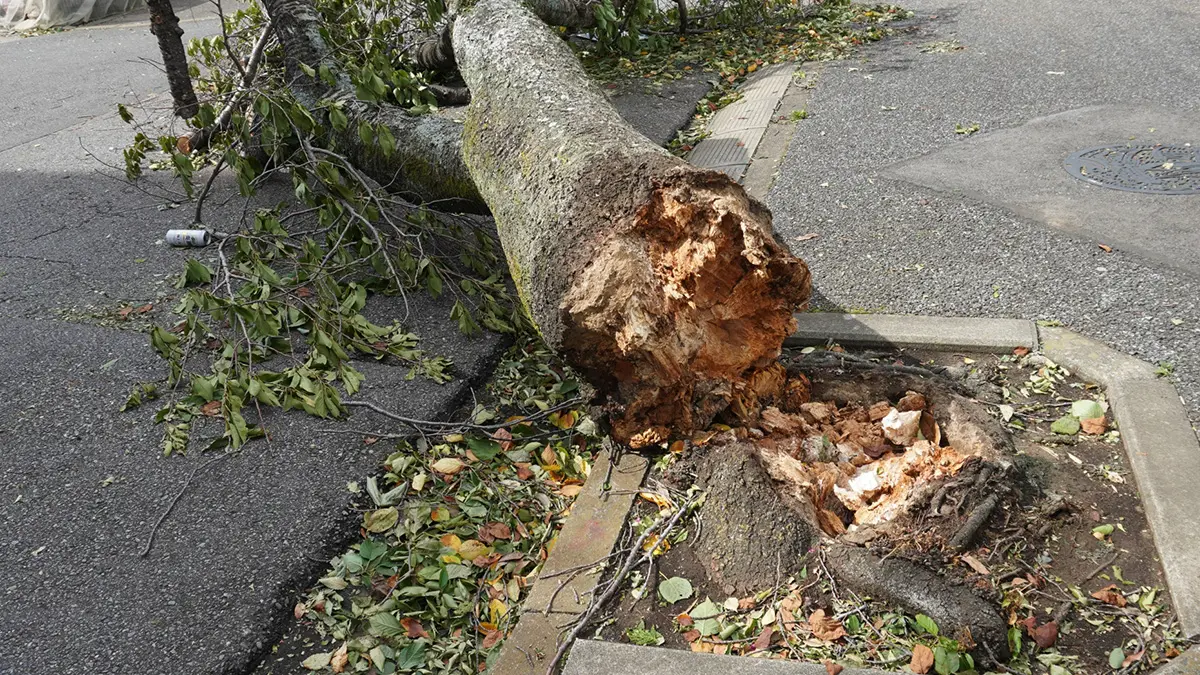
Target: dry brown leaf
(922, 659)
(211, 409)
(692, 635)
(832, 668)
(763, 641)
(1110, 595)
(824, 627)
(339, 660)
(974, 564)
(1045, 636)
(299, 610)
(684, 619)
(493, 531)
(1105, 247)
(1133, 658)
(492, 638)
(184, 144)
(1094, 426)
(413, 628)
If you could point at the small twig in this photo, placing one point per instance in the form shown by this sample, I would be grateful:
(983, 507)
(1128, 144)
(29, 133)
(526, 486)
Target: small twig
(171, 506)
(1101, 568)
(561, 585)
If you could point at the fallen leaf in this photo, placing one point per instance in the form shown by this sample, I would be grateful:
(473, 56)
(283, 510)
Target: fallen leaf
(299, 610)
(471, 549)
(211, 409)
(1094, 426)
(974, 564)
(317, 661)
(763, 641)
(1046, 635)
(1110, 595)
(523, 471)
(1132, 658)
(833, 668)
(381, 520)
(692, 635)
(493, 531)
(1106, 248)
(570, 490)
(124, 312)
(1020, 351)
(684, 620)
(492, 638)
(340, 659)
(1067, 425)
(413, 628)
(922, 659)
(806, 237)
(448, 465)
(656, 499)
(824, 627)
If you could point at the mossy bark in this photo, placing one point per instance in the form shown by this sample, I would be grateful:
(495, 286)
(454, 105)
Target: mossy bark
(661, 281)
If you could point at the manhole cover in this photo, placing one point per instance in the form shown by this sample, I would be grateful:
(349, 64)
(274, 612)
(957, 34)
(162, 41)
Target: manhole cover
(1155, 169)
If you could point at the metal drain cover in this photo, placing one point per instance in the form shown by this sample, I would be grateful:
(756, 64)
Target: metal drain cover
(1153, 169)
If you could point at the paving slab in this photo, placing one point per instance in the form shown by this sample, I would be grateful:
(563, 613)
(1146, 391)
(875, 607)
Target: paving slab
(736, 130)
(595, 657)
(659, 111)
(873, 330)
(1165, 458)
(589, 535)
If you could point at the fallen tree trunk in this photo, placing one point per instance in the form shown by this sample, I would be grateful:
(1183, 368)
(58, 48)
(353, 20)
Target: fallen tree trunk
(661, 281)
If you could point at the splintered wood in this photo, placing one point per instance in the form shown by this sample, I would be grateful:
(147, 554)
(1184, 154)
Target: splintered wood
(853, 464)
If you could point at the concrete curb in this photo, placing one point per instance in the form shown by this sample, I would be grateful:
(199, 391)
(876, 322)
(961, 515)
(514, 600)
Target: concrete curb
(1163, 451)
(889, 330)
(589, 534)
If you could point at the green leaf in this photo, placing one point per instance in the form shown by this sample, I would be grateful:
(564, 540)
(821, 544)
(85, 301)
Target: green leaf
(645, 637)
(308, 70)
(675, 589)
(1086, 409)
(707, 626)
(483, 448)
(705, 610)
(1103, 530)
(1067, 425)
(386, 625)
(945, 662)
(194, 272)
(1115, 658)
(126, 116)
(927, 624)
(411, 657)
(317, 661)
(381, 520)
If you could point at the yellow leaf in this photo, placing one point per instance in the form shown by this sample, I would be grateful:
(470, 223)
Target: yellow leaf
(570, 490)
(454, 438)
(497, 609)
(656, 499)
(472, 549)
(451, 541)
(448, 465)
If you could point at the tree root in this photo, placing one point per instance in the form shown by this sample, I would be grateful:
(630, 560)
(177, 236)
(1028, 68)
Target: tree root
(966, 535)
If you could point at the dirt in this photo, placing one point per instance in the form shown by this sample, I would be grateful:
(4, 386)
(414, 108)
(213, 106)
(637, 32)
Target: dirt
(1038, 560)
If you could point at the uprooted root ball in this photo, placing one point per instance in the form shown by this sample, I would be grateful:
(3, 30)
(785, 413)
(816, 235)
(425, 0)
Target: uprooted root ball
(880, 471)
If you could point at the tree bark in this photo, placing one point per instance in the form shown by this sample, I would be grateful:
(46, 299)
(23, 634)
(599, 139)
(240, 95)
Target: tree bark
(661, 281)
(165, 26)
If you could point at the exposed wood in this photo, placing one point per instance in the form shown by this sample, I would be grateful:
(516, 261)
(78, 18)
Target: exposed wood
(165, 27)
(661, 281)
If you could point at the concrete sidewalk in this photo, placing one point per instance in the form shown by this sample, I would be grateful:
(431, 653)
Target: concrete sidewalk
(913, 218)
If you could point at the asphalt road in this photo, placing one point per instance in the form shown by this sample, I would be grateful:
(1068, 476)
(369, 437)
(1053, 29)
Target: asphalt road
(913, 218)
(81, 485)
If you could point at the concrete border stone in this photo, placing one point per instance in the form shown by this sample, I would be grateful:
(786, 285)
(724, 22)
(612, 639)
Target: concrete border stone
(736, 130)
(871, 330)
(593, 657)
(588, 535)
